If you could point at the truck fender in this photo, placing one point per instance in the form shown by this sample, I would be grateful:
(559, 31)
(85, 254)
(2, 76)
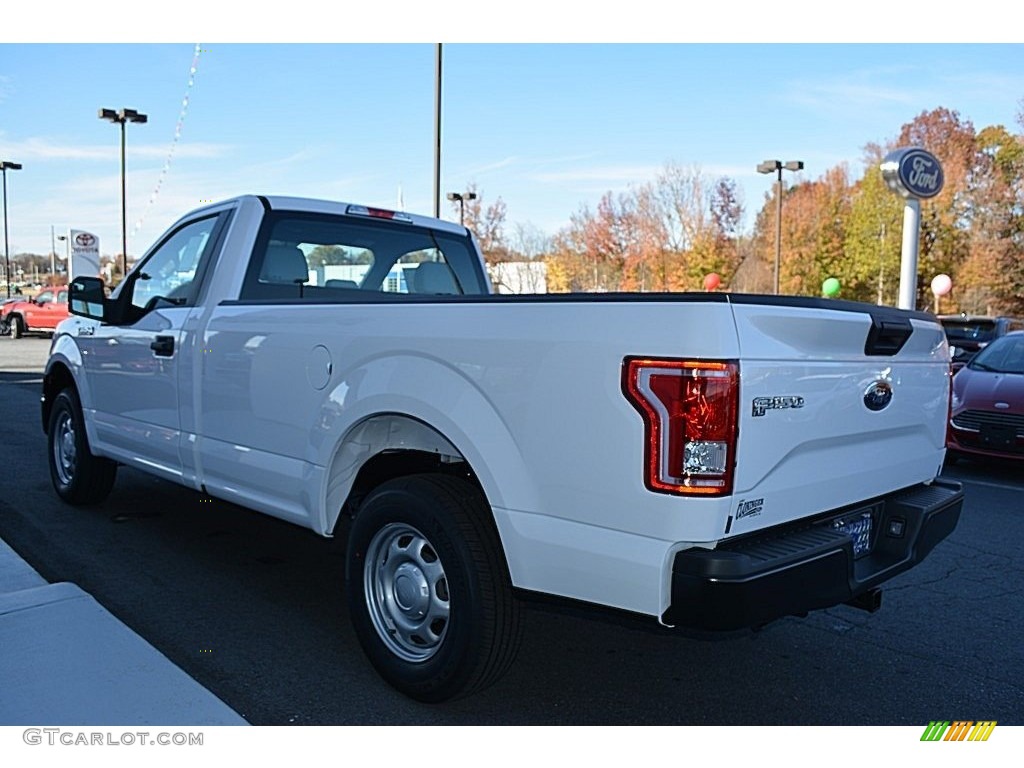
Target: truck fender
(410, 402)
(63, 367)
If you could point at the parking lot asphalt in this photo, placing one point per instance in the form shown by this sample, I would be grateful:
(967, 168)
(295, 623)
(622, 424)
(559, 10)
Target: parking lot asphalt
(253, 609)
(66, 659)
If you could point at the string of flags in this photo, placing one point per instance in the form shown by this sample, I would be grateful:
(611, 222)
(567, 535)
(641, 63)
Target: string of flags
(193, 68)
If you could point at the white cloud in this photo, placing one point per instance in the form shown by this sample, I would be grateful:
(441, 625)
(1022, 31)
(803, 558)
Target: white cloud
(614, 174)
(496, 165)
(38, 148)
(857, 91)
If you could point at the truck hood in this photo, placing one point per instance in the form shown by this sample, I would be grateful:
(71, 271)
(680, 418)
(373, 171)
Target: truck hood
(982, 389)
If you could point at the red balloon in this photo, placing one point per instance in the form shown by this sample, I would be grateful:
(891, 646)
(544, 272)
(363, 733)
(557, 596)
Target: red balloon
(712, 281)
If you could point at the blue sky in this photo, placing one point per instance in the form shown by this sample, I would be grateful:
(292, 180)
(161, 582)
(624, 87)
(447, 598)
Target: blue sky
(547, 127)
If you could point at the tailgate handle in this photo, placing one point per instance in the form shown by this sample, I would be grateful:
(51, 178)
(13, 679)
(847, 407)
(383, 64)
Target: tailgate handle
(163, 346)
(887, 337)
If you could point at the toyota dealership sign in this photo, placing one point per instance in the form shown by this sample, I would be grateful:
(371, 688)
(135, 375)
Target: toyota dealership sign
(85, 254)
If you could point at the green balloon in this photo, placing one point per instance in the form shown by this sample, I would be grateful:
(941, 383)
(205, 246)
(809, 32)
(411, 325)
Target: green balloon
(830, 287)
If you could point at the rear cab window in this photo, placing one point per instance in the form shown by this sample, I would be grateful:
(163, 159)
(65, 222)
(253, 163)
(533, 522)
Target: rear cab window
(334, 258)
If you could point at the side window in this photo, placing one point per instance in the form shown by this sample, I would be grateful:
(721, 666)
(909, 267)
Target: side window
(62, 297)
(44, 297)
(318, 258)
(170, 270)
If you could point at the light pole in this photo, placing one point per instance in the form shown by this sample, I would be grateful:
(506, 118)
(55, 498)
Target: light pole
(67, 253)
(771, 166)
(123, 116)
(5, 166)
(437, 134)
(461, 198)
(53, 254)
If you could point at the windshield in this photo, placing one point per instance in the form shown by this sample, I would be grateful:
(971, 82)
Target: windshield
(962, 330)
(1004, 355)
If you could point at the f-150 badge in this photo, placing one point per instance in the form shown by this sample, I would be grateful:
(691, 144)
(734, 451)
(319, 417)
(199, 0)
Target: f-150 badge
(764, 404)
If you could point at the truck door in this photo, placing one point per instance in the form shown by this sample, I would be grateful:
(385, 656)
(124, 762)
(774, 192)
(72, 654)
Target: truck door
(132, 370)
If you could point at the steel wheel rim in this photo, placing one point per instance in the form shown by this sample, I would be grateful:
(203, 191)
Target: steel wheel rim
(64, 450)
(406, 592)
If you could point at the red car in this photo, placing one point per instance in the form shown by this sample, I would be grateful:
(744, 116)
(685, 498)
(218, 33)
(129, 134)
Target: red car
(41, 313)
(988, 402)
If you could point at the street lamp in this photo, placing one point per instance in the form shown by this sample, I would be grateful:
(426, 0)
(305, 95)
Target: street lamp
(123, 116)
(53, 255)
(461, 198)
(771, 166)
(437, 132)
(5, 166)
(67, 253)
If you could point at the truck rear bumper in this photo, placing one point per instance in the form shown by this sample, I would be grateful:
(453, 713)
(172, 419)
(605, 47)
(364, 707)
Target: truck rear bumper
(752, 580)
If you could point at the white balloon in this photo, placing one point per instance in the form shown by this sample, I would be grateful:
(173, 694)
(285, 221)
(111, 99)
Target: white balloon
(941, 285)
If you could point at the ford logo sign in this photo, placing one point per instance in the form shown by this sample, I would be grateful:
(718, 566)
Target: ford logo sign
(878, 395)
(913, 173)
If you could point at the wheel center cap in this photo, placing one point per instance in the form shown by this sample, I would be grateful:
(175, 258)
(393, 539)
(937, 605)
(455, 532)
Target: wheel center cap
(411, 590)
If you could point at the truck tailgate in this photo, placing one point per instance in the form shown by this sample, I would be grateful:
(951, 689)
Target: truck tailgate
(836, 407)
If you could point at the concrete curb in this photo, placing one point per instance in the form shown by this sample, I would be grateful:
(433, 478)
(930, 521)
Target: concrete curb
(68, 661)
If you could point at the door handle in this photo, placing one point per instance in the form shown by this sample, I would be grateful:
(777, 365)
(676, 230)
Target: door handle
(163, 346)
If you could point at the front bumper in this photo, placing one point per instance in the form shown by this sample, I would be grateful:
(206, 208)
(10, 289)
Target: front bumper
(755, 579)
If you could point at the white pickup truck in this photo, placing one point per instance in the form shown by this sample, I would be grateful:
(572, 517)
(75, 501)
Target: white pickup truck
(709, 461)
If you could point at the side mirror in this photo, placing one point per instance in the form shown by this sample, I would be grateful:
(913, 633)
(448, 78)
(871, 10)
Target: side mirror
(86, 297)
(953, 351)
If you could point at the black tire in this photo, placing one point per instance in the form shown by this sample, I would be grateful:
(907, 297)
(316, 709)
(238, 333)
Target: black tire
(78, 476)
(17, 327)
(429, 593)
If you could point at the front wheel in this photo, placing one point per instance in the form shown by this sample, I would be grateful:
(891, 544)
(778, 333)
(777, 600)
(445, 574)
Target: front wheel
(77, 475)
(428, 590)
(17, 328)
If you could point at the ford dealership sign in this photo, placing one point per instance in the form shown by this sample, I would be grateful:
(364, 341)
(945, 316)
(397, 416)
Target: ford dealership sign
(913, 173)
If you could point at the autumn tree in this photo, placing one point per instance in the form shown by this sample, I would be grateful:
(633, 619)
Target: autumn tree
(991, 279)
(814, 218)
(944, 239)
(487, 223)
(973, 230)
(871, 266)
(664, 235)
(329, 255)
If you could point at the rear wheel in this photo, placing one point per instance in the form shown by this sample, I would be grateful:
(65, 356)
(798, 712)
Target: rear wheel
(428, 590)
(77, 475)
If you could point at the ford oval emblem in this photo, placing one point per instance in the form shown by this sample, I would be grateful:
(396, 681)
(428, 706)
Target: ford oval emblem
(913, 173)
(878, 395)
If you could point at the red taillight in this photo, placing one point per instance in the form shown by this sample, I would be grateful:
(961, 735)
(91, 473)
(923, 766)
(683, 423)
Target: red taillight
(689, 410)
